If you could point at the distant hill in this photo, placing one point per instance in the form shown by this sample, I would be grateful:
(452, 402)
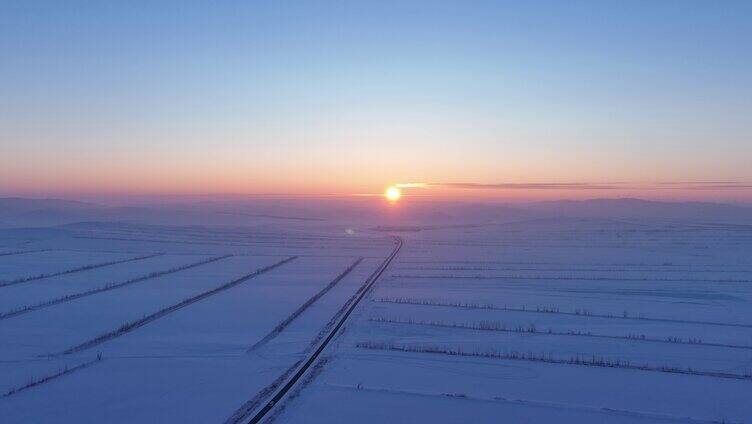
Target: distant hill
(12, 205)
(17, 211)
(647, 209)
(20, 212)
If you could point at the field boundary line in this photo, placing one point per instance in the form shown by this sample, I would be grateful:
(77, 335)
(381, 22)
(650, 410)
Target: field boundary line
(531, 329)
(553, 278)
(287, 321)
(609, 270)
(107, 287)
(131, 326)
(51, 377)
(22, 252)
(583, 313)
(533, 403)
(77, 269)
(547, 359)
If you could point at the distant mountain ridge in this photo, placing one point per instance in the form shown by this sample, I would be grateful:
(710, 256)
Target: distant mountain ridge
(640, 208)
(21, 212)
(22, 204)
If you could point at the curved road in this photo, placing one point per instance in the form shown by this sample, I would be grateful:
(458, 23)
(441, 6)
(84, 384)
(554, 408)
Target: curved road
(305, 366)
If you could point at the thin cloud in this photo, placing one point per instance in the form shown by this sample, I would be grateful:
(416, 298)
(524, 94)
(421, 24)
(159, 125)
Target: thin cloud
(663, 185)
(708, 185)
(411, 185)
(528, 186)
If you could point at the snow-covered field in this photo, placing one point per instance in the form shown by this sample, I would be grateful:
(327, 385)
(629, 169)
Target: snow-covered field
(549, 320)
(578, 321)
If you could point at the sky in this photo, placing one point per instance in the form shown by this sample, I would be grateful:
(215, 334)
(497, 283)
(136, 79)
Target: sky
(474, 99)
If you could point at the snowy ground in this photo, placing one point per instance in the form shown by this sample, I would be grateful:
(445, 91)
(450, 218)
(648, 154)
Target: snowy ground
(552, 320)
(196, 363)
(549, 321)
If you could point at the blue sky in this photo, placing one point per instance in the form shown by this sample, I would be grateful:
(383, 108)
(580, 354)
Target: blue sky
(239, 96)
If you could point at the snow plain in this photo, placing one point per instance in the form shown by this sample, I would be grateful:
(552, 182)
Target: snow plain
(550, 320)
(564, 320)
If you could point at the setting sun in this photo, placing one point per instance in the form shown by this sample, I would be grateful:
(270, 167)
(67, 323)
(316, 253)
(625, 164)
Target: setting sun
(393, 194)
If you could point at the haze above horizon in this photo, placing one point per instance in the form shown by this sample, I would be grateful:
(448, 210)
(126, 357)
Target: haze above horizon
(448, 100)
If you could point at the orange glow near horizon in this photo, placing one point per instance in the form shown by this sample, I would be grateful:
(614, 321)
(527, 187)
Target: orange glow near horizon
(75, 184)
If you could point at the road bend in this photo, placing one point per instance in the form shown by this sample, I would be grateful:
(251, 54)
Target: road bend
(311, 360)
